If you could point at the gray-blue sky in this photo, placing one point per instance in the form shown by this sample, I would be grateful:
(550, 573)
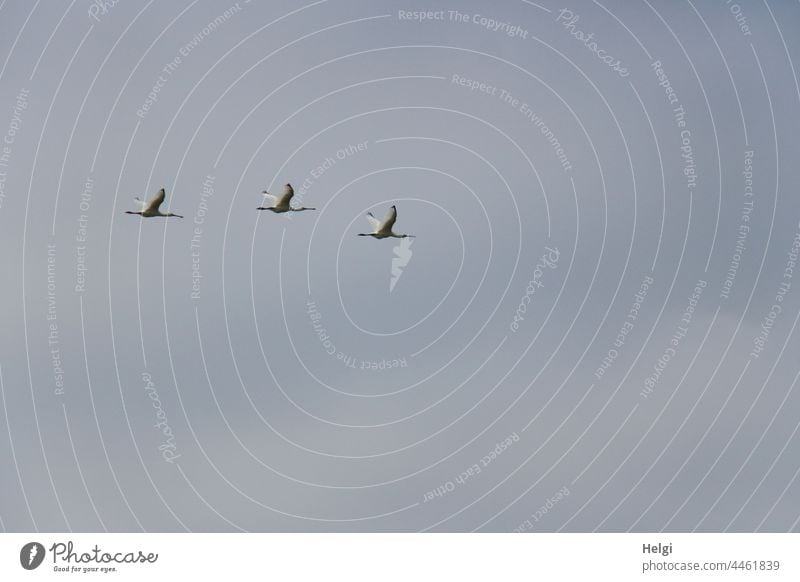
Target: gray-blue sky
(274, 433)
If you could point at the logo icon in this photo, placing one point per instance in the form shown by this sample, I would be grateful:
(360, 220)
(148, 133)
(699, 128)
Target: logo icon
(31, 555)
(403, 257)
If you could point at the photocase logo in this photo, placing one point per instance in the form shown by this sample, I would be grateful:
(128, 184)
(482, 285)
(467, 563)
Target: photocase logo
(403, 256)
(31, 555)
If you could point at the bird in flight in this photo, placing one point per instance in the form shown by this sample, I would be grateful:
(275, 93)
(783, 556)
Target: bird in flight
(383, 229)
(151, 207)
(280, 204)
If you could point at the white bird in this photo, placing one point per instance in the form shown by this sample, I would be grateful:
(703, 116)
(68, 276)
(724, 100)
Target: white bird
(280, 203)
(383, 229)
(151, 207)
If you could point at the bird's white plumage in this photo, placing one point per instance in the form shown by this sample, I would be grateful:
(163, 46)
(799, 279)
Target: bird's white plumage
(152, 207)
(389, 220)
(154, 203)
(373, 222)
(285, 197)
(281, 203)
(383, 228)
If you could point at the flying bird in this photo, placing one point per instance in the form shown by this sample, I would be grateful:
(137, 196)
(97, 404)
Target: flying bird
(383, 229)
(151, 207)
(280, 204)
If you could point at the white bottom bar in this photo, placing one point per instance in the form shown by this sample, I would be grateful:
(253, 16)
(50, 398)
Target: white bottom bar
(401, 557)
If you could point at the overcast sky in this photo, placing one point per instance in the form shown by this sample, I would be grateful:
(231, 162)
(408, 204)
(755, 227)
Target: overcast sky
(593, 330)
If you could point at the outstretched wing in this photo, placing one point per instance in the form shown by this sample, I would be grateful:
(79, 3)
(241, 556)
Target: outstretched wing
(285, 196)
(373, 222)
(389, 219)
(155, 201)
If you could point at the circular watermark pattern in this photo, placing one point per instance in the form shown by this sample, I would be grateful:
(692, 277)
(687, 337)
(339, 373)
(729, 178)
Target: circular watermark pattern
(419, 267)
